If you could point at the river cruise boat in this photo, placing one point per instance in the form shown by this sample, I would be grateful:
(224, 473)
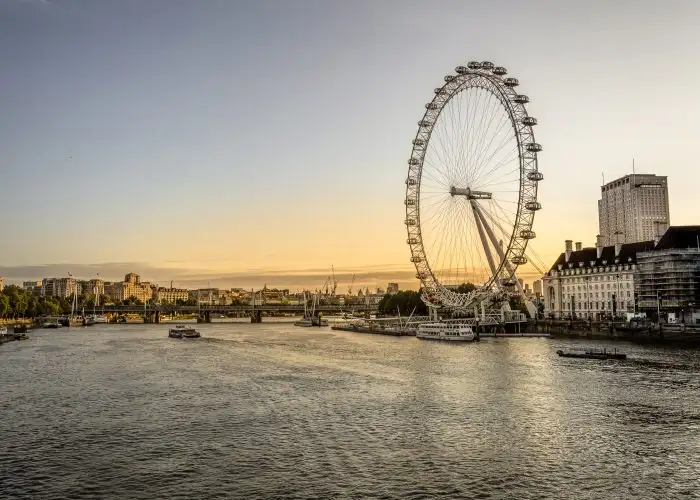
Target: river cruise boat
(52, 324)
(183, 332)
(445, 331)
(3, 330)
(592, 354)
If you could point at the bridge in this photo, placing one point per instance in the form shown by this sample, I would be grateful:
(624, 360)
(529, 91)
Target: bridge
(152, 313)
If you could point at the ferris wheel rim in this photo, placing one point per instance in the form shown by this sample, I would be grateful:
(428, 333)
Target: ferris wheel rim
(529, 176)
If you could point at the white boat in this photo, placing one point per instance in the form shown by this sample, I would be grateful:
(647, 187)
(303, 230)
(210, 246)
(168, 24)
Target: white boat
(310, 319)
(445, 331)
(3, 330)
(304, 322)
(183, 332)
(100, 318)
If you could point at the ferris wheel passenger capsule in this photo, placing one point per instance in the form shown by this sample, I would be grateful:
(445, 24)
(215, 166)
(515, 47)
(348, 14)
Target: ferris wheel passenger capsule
(461, 70)
(418, 142)
(425, 123)
(440, 91)
(474, 65)
(533, 147)
(449, 78)
(409, 202)
(410, 181)
(533, 206)
(414, 161)
(499, 70)
(508, 282)
(529, 120)
(534, 175)
(527, 234)
(416, 258)
(410, 222)
(412, 241)
(511, 82)
(487, 65)
(521, 99)
(519, 260)
(431, 106)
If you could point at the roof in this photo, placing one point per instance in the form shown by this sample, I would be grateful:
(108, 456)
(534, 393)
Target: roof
(628, 254)
(680, 237)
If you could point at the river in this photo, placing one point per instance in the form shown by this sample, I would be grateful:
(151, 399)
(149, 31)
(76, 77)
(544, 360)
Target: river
(276, 411)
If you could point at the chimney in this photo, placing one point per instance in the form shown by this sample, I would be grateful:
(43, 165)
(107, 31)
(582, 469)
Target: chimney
(578, 246)
(618, 243)
(568, 244)
(598, 246)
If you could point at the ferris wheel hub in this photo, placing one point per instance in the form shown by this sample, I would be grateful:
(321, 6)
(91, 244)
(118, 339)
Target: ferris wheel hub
(470, 193)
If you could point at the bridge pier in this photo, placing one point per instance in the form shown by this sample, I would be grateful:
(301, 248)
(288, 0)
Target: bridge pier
(204, 318)
(256, 316)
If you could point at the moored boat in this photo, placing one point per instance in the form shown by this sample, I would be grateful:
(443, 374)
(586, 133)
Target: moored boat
(52, 324)
(183, 332)
(20, 328)
(592, 354)
(3, 330)
(446, 331)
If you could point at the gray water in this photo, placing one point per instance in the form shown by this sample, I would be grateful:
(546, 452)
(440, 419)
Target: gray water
(276, 411)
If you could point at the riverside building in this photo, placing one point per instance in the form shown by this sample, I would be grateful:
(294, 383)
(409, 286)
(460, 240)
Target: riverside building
(633, 208)
(592, 283)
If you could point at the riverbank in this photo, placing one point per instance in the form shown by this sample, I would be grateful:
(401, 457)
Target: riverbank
(676, 334)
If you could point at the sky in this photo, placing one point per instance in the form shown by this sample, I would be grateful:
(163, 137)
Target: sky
(243, 143)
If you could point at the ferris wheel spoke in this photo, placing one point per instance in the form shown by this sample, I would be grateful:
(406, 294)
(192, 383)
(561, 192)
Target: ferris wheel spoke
(483, 142)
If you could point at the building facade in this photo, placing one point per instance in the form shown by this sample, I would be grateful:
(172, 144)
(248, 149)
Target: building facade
(633, 208)
(33, 287)
(132, 286)
(593, 283)
(60, 287)
(171, 295)
(668, 278)
(392, 288)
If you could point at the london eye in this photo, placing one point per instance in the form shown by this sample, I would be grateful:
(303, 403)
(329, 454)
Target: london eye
(471, 189)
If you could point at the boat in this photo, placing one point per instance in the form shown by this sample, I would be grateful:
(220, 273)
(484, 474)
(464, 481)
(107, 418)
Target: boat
(592, 353)
(445, 331)
(310, 319)
(97, 319)
(183, 332)
(3, 330)
(20, 328)
(52, 324)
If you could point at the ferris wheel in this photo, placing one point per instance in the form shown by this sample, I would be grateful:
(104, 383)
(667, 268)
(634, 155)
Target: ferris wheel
(471, 190)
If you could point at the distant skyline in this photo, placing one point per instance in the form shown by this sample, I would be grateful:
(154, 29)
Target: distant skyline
(222, 140)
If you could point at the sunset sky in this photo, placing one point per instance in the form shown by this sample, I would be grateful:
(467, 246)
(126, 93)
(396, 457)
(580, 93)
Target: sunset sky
(242, 143)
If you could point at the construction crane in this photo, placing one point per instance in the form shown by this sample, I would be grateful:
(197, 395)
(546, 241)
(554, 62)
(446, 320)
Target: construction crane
(351, 285)
(334, 283)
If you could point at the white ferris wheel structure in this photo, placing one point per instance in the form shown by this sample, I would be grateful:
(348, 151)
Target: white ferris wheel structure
(471, 189)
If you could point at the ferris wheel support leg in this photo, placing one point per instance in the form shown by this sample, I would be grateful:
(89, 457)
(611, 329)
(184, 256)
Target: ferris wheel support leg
(482, 236)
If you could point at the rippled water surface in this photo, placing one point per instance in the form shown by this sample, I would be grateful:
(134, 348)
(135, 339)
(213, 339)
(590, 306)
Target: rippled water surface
(275, 411)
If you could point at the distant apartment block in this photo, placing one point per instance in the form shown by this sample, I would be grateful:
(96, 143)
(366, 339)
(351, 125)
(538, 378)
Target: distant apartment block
(633, 208)
(60, 287)
(392, 288)
(132, 286)
(33, 287)
(171, 295)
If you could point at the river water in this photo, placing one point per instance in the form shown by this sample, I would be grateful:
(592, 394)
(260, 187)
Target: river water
(276, 411)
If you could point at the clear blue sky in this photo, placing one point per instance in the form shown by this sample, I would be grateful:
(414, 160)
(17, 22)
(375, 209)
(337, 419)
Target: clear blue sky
(220, 137)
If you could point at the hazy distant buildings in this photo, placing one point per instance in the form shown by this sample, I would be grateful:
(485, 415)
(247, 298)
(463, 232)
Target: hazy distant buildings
(132, 286)
(33, 287)
(537, 287)
(633, 208)
(392, 288)
(171, 295)
(60, 287)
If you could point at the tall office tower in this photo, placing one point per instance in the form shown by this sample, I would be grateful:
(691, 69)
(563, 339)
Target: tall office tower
(633, 208)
